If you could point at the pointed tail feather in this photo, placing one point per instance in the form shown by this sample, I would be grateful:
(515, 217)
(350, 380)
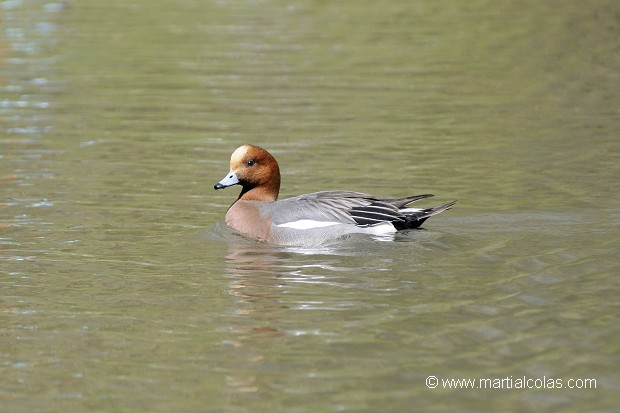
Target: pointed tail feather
(400, 203)
(438, 209)
(415, 219)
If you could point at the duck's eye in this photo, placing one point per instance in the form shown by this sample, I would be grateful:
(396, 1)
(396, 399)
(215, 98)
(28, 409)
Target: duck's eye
(250, 162)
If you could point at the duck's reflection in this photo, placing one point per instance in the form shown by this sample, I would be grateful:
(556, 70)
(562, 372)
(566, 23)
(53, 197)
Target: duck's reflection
(255, 272)
(255, 278)
(261, 278)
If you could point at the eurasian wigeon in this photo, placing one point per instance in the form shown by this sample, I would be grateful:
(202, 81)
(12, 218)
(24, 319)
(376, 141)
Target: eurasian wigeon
(309, 219)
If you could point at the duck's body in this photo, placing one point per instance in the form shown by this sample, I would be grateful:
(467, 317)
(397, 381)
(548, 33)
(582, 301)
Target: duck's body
(309, 219)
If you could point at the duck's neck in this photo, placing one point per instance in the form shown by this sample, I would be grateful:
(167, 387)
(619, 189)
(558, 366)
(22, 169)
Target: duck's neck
(266, 193)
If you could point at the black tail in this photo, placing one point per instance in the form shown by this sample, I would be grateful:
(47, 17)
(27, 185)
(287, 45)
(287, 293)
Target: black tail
(415, 219)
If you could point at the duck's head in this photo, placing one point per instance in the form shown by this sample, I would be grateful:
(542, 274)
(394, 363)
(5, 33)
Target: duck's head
(256, 170)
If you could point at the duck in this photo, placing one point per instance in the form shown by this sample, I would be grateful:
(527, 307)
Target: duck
(311, 219)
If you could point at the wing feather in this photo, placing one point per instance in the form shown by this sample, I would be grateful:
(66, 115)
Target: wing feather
(342, 206)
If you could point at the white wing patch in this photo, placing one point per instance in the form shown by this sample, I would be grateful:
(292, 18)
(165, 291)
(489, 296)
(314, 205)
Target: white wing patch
(411, 210)
(381, 229)
(308, 224)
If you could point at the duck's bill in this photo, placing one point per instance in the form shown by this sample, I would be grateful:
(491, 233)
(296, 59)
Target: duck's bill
(229, 180)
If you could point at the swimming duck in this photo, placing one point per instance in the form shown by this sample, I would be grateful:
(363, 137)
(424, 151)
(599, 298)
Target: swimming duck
(314, 218)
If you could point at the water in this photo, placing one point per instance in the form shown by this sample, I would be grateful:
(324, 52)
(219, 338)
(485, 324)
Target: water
(122, 290)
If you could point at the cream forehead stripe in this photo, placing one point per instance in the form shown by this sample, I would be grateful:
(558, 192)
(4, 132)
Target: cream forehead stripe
(237, 155)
